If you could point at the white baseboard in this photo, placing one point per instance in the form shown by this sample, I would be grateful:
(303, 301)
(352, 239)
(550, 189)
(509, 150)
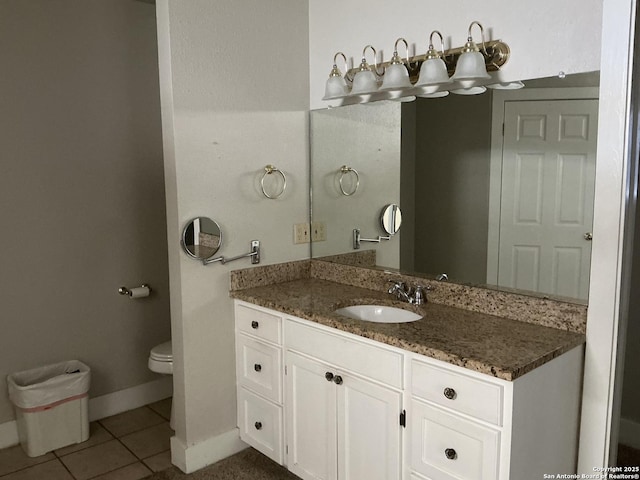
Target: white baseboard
(629, 433)
(194, 457)
(106, 405)
(130, 398)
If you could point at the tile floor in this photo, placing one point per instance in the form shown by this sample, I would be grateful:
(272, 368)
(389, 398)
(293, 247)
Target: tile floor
(128, 446)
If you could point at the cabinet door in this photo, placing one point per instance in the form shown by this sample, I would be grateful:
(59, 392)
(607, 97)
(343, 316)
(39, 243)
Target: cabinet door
(368, 430)
(311, 419)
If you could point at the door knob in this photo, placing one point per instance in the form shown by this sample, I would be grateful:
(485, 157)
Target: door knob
(328, 376)
(254, 324)
(258, 425)
(450, 453)
(450, 393)
(257, 367)
(588, 236)
(337, 380)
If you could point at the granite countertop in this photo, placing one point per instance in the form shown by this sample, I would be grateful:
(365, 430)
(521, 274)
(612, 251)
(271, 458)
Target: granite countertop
(496, 346)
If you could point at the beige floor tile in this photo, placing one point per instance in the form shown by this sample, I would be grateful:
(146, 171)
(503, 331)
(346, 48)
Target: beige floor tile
(162, 408)
(131, 421)
(97, 460)
(159, 462)
(14, 458)
(149, 441)
(52, 470)
(135, 471)
(97, 435)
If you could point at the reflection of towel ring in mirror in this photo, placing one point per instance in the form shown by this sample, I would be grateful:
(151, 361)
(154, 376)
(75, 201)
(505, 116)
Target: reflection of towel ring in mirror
(268, 170)
(343, 171)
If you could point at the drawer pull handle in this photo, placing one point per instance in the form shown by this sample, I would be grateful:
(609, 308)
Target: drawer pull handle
(328, 376)
(337, 380)
(450, 453)
(254, 324)
(258, 425)
(450, 393)
(257, 367)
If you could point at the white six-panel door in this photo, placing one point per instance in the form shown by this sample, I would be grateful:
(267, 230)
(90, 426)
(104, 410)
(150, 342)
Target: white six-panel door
(548, 177)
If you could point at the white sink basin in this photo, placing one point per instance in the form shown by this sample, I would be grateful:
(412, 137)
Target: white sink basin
(378, 313)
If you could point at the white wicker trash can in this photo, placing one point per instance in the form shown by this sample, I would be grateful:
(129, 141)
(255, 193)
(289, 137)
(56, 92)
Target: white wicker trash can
(52, 406)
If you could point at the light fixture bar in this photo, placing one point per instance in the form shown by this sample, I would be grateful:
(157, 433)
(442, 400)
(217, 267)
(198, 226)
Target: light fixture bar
(497, 55)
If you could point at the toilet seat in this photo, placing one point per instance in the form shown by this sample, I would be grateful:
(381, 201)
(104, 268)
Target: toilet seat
(161, 359)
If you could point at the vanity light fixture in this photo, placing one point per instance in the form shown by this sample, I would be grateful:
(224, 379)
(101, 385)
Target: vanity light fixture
(471, 64)
(365, 81)
(336, 86)
(506, 85)
(423, 75)
(396, 76)
(433, 71)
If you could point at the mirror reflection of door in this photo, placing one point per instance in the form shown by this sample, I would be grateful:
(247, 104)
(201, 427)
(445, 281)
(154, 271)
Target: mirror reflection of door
(546, 198)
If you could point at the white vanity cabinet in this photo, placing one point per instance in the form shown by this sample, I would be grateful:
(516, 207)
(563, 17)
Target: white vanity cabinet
(331, 405)
(259, 374)
(342, 406)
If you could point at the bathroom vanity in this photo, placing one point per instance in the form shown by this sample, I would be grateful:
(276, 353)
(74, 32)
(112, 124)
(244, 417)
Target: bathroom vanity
(455, 395)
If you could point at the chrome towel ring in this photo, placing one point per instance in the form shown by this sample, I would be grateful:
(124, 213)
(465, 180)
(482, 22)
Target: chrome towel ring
(268, 170)
(344, 170)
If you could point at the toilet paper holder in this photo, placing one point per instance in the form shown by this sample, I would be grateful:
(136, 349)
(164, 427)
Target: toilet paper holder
(135, 292)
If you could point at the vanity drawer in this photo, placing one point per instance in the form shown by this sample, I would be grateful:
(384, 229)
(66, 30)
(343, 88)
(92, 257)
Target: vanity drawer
(462, 393)
(446, 447)
(343, 352)
(259, 323)
(259, 367)
(260, 424)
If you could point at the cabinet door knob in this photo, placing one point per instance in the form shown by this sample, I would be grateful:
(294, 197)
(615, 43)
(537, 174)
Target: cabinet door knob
(450, 453)
(337, 380)
(258, 425)
(257, 367)
(328, 376)
(450, 393)
(254, 324)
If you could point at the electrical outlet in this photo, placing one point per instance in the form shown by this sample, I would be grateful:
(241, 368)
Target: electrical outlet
(318, 231)
(301, 233)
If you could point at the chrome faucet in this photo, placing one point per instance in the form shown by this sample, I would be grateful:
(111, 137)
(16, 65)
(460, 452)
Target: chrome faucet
(414, 296)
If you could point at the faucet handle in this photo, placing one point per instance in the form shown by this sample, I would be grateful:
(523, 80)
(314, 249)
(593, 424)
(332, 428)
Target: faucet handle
(396, 286)
(419, 295)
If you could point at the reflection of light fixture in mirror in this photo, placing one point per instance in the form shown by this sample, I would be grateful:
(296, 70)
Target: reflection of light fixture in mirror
(433, 70)
(506, 85)
(336, 86)
(365, 81)
(396, 75)
(471, 64)
(440, 94)
(470, 91)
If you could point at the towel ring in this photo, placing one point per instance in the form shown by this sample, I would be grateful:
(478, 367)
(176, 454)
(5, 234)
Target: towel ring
(343, 171)
(268, 170)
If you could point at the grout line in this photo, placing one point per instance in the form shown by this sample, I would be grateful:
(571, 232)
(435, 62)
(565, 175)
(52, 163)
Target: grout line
(66, 468)
(110, 471)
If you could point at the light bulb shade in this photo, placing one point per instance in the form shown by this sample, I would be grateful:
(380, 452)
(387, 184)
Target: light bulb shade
(396, 77)
(507, 86)
(440, 94)
(433, 72)
(336, 87)
(365, 81)
(470, 67)
(470, 91)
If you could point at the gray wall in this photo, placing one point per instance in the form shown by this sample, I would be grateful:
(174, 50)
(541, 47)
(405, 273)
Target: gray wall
(452, 185)
(81, 189)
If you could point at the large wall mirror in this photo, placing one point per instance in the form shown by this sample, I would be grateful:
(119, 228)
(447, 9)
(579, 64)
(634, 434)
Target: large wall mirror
(496, 190)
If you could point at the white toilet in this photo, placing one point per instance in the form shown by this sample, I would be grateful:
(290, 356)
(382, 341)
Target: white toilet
(161, 361)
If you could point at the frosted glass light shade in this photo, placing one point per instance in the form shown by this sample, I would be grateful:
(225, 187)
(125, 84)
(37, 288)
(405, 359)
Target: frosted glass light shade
(396, 77)
(470, 67)
(470, 91)
(336, 87)
(507, 86)
(433, 72)
(440, 94)
(364, 82)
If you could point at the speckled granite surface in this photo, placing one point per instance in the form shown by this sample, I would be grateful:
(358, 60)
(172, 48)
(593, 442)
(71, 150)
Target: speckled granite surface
(496, 346)
(540, 311)
(269, 274)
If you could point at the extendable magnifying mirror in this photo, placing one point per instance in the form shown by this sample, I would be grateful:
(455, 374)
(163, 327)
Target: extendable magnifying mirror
(391, 218)
(201, 238)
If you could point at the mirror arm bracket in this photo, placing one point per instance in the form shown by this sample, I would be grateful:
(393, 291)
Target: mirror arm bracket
(254, 254)
(357, 239)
